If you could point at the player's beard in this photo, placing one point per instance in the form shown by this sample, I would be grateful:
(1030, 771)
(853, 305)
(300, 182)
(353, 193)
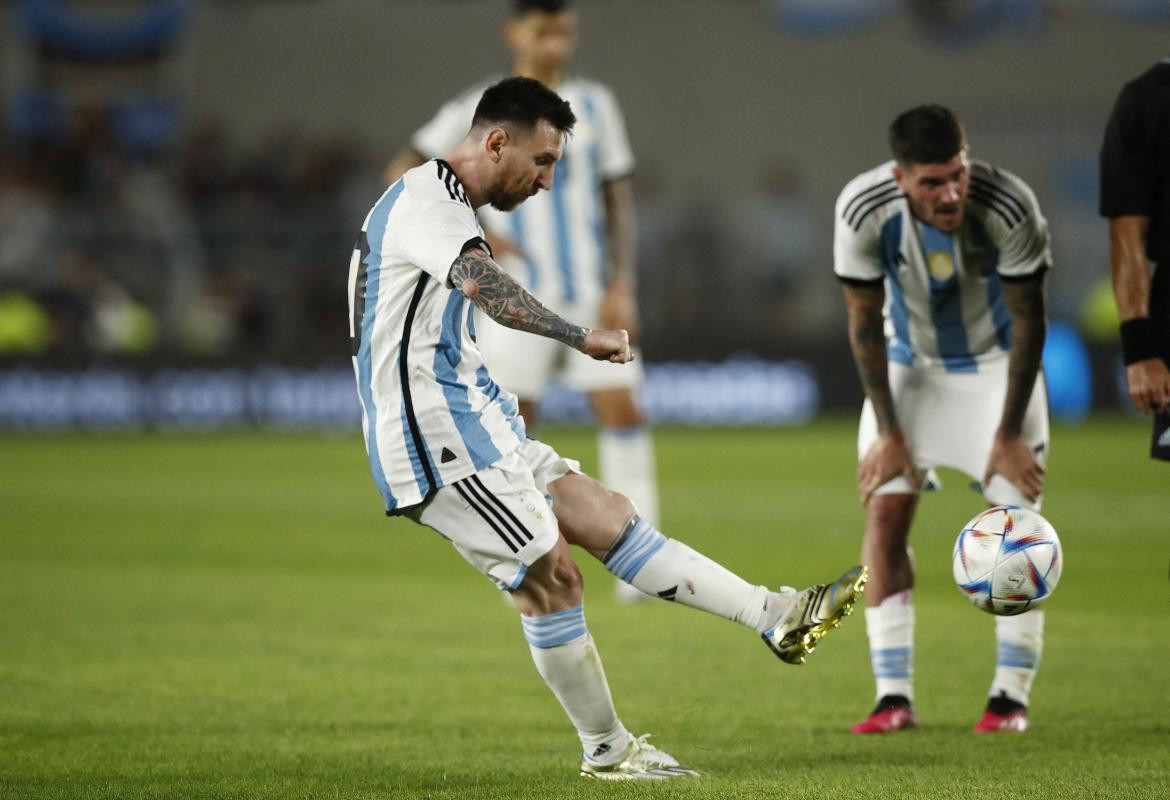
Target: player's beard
(505, 201)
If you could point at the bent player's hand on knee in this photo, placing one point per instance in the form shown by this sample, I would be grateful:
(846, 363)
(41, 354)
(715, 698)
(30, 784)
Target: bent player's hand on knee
(1149, 385)
(1012, 457)
(887, 458)
(611, 346)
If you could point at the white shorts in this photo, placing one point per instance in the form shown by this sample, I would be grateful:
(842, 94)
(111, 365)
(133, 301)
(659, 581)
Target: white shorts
(500, 519)
(949, 419)
(524, 363)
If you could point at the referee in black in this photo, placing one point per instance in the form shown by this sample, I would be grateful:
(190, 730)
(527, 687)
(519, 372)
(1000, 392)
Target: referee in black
(1135, 196)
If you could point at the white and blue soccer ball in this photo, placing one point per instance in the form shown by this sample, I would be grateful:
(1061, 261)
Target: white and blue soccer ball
(1007, 560)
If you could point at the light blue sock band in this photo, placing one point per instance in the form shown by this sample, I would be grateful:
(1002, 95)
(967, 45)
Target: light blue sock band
(891, 662)
(634, 547)
(1014, 655)
(555, 629)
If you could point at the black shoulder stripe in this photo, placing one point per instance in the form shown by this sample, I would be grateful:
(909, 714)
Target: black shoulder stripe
(476, 241)
(443, 178)
(1003, 193)
(861, 196)
(996, 205)
(451, 181)
(874, 207)
(878, 199)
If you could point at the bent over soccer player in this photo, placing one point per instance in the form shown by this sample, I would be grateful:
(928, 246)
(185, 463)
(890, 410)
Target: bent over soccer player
(447, 447)
(952, 252)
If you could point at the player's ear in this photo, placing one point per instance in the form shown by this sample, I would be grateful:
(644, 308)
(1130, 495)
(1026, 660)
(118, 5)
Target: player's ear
(899, 176)
(496, 141)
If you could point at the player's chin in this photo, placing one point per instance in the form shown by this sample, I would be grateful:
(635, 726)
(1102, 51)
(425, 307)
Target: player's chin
(947, 221)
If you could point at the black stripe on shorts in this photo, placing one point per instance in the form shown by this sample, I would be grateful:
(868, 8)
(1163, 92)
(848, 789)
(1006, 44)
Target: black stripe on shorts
(486, 517)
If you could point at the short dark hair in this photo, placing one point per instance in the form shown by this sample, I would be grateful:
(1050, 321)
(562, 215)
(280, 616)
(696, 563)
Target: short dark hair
(929, 134)
(523, 102)
(522, 7)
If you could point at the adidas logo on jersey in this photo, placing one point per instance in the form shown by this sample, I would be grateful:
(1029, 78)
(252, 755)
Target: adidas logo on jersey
(1164, 439)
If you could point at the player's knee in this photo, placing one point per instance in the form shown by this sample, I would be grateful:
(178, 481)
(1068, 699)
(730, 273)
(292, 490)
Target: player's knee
(623, 509)
(590, 514)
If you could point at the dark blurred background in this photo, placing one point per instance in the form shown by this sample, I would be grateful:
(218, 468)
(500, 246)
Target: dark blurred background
(181, 183)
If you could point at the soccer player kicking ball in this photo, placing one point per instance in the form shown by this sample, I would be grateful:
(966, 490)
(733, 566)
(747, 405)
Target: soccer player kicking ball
(952, 253)
(447, 447)
(575, 245)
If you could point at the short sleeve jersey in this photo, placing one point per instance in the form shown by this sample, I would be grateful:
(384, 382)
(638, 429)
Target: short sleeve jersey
(561, 233)
(944, 305)
(1135, 171)
(431, 413)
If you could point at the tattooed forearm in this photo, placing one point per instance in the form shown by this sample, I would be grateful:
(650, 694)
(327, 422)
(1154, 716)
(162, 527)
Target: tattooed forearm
(868, 343)
(498, 295)
(1025, 301)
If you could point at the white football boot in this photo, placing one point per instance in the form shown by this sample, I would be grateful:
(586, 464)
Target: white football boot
(641, 761)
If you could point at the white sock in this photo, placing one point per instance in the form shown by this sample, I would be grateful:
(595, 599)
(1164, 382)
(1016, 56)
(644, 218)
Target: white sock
(1018, 643)
(891, 645)
(567, 659)
(627, 466)
(669, 569)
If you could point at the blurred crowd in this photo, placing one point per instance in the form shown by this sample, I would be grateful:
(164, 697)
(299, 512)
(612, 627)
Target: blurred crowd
(210, 248)
(225, 249)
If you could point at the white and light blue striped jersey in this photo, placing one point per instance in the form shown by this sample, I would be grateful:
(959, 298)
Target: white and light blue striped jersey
(431, 414)
(562, 232)
(944, 305)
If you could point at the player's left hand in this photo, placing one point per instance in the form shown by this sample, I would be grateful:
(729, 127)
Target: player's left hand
(1012, 457)
(611, 346)
(618, 310)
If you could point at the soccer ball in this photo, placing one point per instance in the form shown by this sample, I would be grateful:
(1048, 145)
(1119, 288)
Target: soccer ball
(1007, 560)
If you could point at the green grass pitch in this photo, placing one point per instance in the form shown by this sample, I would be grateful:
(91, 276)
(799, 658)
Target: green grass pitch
(230, 616)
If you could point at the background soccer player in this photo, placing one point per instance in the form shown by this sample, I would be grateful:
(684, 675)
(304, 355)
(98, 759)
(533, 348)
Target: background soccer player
(1135, 196)
(574, 245)
(447, 449)
(942, 260)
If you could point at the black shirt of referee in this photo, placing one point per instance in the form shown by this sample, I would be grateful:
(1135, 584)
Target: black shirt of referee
(1135, 196)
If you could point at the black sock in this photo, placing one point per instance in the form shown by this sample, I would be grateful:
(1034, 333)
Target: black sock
(1003, 705)
(889, 701)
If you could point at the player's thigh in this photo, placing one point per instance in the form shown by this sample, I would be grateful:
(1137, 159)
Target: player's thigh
(523, 363)
(909, 394)
(589, 514)
(498, 519)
